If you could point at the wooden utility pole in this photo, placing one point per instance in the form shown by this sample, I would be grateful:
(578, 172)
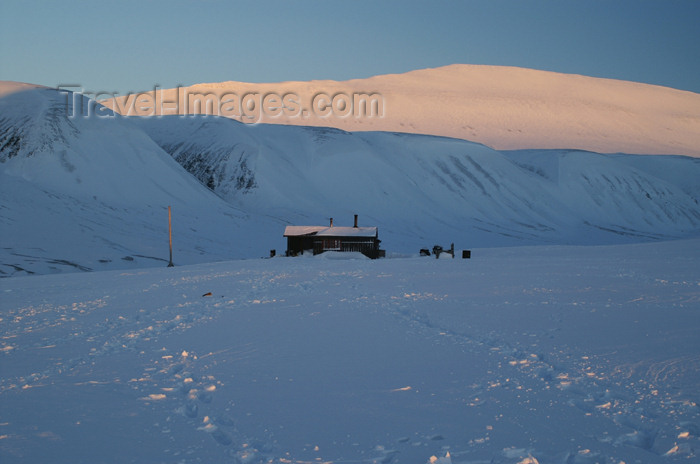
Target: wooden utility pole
(170, 234)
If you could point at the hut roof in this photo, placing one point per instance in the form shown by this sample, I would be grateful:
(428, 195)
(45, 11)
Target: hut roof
(348, 232)
(323, 231)
(297, 231)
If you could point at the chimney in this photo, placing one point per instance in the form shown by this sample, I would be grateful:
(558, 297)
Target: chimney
(355, 221)
(331, 222)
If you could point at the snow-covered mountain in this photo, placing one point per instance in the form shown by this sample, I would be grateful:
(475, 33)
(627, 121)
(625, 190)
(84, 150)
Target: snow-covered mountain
(505, 108)
(92, 192)
(420, 190)
(83, 188)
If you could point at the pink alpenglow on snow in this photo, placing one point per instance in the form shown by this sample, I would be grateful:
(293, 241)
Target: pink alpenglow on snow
(505, 108)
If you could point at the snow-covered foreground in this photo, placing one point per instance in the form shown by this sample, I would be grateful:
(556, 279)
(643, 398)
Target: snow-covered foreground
(518, 355)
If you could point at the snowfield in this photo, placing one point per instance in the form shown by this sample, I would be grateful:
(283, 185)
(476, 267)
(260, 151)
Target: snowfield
(519, 355)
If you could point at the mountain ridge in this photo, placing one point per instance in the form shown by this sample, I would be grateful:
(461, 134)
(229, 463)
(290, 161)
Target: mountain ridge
(505, 108)
(92, 193)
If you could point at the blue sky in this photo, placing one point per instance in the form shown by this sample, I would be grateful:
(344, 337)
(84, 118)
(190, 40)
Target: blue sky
(133, 45)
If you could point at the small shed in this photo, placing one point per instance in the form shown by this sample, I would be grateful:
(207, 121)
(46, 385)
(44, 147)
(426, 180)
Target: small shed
(319, 239)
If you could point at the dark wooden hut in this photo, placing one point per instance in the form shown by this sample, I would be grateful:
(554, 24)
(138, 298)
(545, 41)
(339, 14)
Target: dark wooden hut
(319, 239)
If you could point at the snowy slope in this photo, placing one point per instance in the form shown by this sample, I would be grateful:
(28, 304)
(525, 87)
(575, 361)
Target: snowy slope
(83, 192)
(571, 355)
(91, 193)
(499, 106)
(627, 195)
(423, 190)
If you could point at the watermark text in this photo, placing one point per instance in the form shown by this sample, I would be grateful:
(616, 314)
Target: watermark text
(249, 107)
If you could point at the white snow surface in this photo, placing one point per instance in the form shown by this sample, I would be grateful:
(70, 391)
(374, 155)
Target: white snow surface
(503, 107)
(547, 354)
(295, 231)
(320, 231)
(348, 232)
